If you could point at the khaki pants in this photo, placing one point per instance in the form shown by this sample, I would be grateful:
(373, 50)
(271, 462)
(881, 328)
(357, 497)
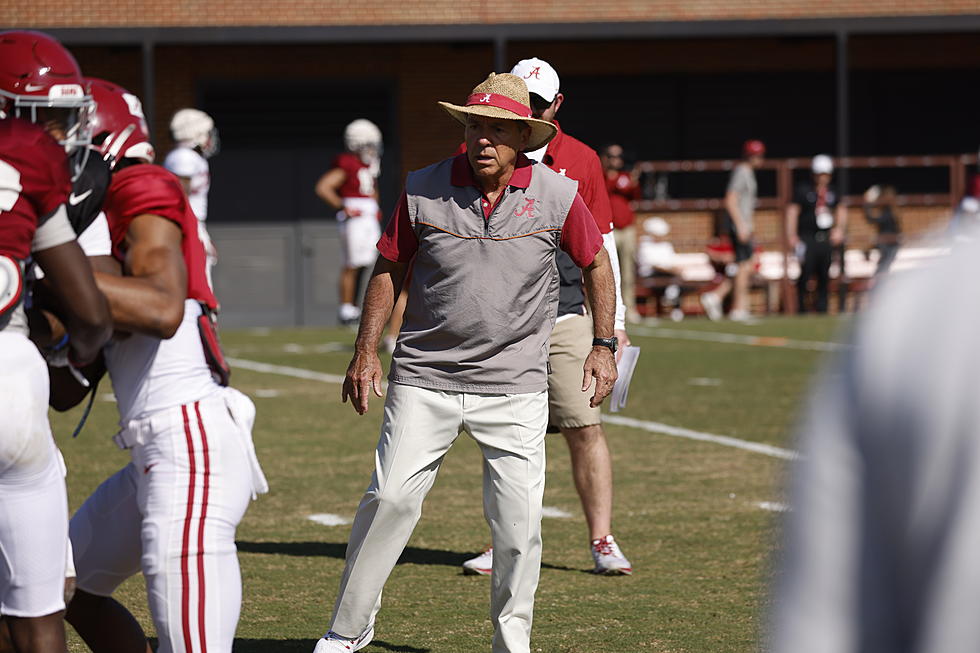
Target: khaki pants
(626, 248)
(419, 427)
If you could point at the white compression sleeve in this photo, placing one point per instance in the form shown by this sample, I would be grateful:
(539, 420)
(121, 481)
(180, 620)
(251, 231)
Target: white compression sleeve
(609, 242)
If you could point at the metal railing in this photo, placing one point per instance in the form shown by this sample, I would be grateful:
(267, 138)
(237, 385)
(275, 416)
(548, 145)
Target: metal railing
(784, 169)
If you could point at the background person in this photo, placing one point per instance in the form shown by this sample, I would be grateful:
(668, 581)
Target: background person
(816, 221)
(657, 258)
(472, 352)
(623, 188)
(740, 200)
(571, 338)
(351, 187)
(197, 141)
(886, 223)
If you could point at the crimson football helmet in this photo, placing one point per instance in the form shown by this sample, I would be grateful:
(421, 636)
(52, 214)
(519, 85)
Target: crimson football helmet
(40, 81)
(118, 126)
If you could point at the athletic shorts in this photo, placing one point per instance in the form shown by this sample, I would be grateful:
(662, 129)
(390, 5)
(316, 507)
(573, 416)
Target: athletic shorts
(359, 240)
(744, 250)
(568, 406)
(33, 500)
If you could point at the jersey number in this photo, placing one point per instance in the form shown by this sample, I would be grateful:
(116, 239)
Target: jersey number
(10, 187)
(366, 181)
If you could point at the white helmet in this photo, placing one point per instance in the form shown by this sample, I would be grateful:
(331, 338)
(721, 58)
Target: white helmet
(361, 137)
(822, 165)
(194, 128)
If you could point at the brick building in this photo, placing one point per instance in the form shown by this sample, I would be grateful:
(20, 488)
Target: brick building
(675, 79)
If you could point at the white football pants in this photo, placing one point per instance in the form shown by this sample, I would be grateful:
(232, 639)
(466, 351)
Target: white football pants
(419, 427)
(33, 501)
(172, 513)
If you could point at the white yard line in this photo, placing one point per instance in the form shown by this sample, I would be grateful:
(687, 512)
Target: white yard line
(678, 432)
(284, 370)
(773, 506)
(554, 513)
(328, 519)
(738, 339)
(652, 427)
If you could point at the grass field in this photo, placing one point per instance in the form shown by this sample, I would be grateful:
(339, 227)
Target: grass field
(687, 512)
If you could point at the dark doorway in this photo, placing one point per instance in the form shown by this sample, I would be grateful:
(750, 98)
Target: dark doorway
(278, 137)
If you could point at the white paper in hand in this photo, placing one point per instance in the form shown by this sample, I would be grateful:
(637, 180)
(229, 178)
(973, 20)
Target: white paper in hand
(625, 367)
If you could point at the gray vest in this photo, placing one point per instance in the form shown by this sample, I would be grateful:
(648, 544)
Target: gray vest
(484, 293)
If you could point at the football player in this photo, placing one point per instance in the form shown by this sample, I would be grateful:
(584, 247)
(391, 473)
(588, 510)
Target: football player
(40, 83)
(350, 186)
(172, 511)
(197, 141)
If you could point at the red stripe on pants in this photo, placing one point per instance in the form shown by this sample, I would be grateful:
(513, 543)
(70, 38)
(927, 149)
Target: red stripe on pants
(200, 529)
(185, 597)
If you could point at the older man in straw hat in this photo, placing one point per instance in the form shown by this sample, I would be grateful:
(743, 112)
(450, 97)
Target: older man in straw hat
(483, 228)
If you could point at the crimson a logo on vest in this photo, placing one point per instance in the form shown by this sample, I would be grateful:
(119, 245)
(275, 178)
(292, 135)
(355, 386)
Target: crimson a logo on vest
(527, 210)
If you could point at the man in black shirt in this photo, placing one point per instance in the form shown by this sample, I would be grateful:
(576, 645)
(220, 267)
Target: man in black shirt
(815, 223)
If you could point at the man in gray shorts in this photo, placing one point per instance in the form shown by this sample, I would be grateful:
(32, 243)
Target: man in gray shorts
(740, 201)
(572, 338)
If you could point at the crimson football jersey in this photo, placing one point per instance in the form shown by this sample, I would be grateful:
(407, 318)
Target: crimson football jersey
(150, 189)
(34, 182)
(360, 181)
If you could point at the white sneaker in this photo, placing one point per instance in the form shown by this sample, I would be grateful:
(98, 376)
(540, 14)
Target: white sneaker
(348, 314)
(609, 560)
(481, 564)
(334, 643)
(741, 316)
(712, 306)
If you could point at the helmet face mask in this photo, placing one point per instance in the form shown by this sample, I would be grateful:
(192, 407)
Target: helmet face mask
(40, 82)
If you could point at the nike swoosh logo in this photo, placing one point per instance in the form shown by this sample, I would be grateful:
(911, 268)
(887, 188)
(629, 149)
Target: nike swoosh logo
(74, 199)
(30, 88)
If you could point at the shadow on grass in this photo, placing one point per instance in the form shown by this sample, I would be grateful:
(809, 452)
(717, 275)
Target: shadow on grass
(411, 555)
(306, 645)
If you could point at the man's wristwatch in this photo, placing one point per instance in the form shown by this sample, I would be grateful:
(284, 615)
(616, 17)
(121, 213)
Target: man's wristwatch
(612, 343)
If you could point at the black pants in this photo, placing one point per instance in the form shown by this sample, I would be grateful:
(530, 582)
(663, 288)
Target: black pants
(815, 265)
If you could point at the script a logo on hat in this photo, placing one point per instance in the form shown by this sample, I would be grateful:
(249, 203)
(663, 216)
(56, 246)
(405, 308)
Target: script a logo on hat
(527, 209)
(535, 73)
(485, 99)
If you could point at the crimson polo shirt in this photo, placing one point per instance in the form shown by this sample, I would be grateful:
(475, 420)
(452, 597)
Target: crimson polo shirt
(570, 157)
(622, 190)
(399, 241)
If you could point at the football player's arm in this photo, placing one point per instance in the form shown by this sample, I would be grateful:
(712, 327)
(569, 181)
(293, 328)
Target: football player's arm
(364, 373)
(149, 298)
(85, 313)
(328, 187)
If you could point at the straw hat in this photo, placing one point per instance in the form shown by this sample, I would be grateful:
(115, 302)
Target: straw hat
(504, 96)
